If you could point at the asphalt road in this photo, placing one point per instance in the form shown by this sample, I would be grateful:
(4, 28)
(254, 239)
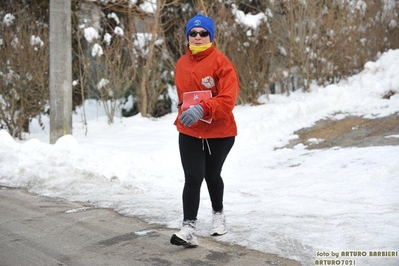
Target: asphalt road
(40, 231)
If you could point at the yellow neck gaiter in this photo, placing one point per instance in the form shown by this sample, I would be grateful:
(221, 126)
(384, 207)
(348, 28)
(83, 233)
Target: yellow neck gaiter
(198, 49)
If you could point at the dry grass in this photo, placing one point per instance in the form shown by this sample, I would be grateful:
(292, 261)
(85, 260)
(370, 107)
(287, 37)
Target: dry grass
(352, 131)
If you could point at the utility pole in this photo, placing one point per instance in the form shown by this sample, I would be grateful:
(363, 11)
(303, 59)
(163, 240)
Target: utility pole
(60, 69)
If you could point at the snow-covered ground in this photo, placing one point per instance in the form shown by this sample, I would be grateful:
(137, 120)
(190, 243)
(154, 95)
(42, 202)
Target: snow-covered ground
(298, 203)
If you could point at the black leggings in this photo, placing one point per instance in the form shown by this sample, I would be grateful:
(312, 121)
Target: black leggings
(202, 158)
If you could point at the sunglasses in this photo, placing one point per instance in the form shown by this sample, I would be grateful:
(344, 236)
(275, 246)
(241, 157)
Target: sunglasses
(201, 33)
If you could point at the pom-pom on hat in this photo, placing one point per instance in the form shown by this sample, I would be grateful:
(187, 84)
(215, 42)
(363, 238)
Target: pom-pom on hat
(201, 21)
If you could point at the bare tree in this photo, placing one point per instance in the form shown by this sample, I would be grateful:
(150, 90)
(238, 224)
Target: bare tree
(155, 62)
(24, 75)
(324, 41)
(105, 62)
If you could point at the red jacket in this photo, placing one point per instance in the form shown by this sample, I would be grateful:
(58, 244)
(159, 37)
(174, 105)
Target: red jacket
(209, 70)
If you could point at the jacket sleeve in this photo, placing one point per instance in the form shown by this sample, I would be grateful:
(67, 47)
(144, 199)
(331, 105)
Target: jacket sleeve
(227, 86)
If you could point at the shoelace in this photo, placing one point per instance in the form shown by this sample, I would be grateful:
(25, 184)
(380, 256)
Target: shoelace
(218, 218)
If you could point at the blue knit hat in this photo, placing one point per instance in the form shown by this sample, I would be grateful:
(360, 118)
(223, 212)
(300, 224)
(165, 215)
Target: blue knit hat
(201, 21)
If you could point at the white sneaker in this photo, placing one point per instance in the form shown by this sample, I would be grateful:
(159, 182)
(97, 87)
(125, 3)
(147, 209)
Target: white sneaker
(218, 223)
(186, 236)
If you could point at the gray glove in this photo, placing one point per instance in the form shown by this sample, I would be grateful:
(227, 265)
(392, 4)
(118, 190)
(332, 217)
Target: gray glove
(191, 115)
